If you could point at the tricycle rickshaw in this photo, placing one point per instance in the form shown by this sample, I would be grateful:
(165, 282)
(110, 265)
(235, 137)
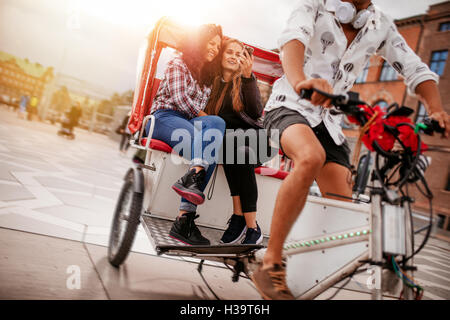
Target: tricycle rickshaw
(329, 242)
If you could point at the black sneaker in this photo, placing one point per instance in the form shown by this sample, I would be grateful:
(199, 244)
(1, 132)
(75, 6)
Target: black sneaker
(139, 157)
(185, 230)
(253, 236)
(235, 231)
(188, 186)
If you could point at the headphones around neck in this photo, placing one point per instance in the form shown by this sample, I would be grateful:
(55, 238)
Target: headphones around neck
(346, 13)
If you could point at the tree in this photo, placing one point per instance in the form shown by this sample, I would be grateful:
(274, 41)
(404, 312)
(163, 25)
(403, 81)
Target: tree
(127, 97)
(116, 99)
(61, 100)
(86, 102)
(106, 107)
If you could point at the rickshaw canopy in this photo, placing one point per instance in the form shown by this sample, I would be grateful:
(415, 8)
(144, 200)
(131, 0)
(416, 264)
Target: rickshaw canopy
(169, 34)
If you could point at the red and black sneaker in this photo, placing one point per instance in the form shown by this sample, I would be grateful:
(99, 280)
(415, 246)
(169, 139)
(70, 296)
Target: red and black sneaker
(185, 230)
(188, 186)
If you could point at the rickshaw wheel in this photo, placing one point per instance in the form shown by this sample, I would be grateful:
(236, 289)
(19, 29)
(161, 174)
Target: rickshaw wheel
(125, 222)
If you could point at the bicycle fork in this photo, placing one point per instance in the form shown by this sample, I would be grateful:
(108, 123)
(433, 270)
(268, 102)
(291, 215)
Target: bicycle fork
(376, 243)
(392, 233)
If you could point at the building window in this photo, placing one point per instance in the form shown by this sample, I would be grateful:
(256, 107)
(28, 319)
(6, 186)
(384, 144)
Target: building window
(388, 73)
(382, 104)
(447, 187)
(438, 60)
(421, 113)
(363, 76)
(445, 26)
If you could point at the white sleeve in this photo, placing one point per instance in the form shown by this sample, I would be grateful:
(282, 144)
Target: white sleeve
(300, 25)
(405, 61)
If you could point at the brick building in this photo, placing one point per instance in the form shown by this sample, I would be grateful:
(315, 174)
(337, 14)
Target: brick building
(429, 36)
(21, 77)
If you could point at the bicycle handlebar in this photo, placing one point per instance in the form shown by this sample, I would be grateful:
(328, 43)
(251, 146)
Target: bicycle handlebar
(432, 126)
(349, 102)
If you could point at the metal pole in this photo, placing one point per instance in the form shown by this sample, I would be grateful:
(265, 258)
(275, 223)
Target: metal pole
(375, 242)
(408, 292)
(334, 278)
(50, 89)
(93, 118)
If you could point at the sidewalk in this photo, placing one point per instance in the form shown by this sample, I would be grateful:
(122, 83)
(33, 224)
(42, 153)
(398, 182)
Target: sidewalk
(36, 267)
(56, 203)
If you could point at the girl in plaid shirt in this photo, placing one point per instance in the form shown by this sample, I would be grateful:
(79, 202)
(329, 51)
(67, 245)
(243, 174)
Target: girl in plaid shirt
(179, 118)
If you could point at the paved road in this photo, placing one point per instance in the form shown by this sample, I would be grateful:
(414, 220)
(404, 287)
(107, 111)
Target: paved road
(56, 202)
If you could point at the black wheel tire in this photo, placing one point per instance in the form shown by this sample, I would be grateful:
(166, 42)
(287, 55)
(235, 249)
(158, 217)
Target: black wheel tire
(120, 242)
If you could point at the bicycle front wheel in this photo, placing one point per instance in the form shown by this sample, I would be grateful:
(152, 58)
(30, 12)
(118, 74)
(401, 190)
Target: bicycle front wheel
(125, 222)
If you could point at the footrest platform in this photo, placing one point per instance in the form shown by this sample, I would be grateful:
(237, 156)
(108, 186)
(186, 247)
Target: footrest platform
(158, 231)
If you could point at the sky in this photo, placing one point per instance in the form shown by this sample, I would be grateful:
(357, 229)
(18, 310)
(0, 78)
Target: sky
(98, 40)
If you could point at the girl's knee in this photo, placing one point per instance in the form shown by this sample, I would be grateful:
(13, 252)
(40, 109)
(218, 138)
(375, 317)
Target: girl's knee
(215, 122)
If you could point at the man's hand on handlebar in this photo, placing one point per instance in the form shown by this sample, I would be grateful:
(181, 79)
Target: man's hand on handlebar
(443, 118)
(317, 99)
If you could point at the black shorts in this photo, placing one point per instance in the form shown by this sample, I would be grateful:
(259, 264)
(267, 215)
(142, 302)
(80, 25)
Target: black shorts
(282, 118)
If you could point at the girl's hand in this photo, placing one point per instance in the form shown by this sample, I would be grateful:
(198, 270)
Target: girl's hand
(246, 64)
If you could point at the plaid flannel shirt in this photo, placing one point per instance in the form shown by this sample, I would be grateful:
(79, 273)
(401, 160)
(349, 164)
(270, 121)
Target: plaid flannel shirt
(180, 91)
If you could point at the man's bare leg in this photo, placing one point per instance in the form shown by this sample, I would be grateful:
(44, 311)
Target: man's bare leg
(301, 145)
(336, 179)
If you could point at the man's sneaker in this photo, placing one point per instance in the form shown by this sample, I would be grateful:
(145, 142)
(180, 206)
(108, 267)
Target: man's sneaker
(188, 186)
(253, 236)
(185, 230)
(235, 231)
(271, 283)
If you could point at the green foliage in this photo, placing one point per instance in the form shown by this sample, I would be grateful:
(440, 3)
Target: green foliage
(108, 106)
(61, 100)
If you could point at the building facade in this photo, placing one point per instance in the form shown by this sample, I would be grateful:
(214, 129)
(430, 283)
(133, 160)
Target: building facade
(20, 77)
(429, 36)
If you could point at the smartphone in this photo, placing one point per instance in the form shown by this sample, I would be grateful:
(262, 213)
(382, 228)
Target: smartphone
(249, 50)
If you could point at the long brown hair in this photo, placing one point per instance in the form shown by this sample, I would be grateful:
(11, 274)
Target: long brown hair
(194, 50)
(217, 96)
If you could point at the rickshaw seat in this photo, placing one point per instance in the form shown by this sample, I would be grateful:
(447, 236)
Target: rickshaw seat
(270, 172)
(265, 171)
(157, 145)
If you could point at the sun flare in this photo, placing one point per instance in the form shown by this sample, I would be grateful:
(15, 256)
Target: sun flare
(140, 12)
